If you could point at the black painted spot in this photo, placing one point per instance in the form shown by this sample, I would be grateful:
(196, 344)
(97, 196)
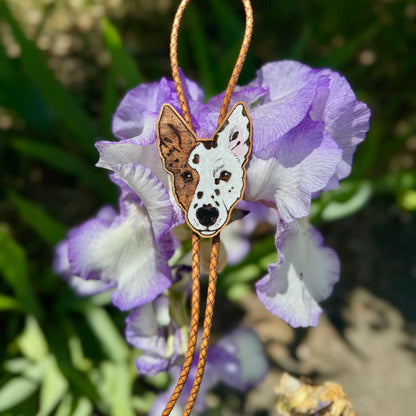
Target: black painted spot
(217, 192)
(195, 159)
(176, 160)
(200, 195)
(217, 181)
(217, 204)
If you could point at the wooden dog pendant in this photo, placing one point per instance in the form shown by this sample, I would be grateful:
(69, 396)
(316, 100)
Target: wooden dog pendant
(208, 175)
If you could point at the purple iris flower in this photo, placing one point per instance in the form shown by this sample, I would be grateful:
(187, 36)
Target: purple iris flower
(307, 124)
(128, 251)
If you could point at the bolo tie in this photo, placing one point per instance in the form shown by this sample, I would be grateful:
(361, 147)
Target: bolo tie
(185, 158)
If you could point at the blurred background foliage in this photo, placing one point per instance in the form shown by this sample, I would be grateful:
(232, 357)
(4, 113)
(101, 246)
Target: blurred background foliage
(65, 65)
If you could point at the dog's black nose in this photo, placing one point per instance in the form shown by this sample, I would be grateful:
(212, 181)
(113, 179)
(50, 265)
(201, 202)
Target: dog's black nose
(207, 215)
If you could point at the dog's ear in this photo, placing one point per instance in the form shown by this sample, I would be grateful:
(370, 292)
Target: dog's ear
(235, 132)
(176, 141)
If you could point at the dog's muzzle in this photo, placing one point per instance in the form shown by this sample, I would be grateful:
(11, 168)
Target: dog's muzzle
(207, 215)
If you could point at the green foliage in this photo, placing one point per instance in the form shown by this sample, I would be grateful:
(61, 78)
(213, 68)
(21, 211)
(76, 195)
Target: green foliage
(62, 355)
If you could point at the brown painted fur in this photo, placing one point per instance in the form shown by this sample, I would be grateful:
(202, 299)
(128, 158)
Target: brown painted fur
(176, 142)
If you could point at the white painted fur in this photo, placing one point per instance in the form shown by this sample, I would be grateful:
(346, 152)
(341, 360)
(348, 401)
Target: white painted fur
(216, 188)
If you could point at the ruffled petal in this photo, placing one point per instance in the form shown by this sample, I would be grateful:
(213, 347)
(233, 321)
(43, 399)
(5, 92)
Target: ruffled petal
(129, 118)
(121, 156)
(289, 172)
(150, 328)
(346, 119)
(208, 116)
(136, 116)
(305, 274)
(153, 195)
(80, 286)
(125, 254)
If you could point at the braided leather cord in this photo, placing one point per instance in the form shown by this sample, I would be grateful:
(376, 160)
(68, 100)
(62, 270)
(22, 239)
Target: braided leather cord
(174, 63)
(209, 311)
(240, 62)
(236, 71)
(193, 334)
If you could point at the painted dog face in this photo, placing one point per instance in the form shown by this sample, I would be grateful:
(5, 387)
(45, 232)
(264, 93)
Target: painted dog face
(208, 174)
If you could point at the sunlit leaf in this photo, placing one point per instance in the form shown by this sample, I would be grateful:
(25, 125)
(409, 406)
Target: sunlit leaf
(106, 332)
(336, 210)
(117, 388)
(84, 407)
(54, 385)
(17, 365)
(16, 391)
(8, 303)
(32, 342)
(21, 388)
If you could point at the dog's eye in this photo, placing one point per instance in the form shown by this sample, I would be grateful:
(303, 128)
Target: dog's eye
(187, 176)
(225, 176)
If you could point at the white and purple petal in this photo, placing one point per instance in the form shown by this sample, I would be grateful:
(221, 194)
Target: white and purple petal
(304, 275)
(333, 102)
(151, 329)
(125, 254)
(154, 196)
(80, 286)
(288, 172)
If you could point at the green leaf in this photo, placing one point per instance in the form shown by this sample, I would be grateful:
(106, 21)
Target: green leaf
(64, 105)
(16, 391)
(32, 342)
(64, 162)
(19, 389)
(238, 291)
(106, 332)
(65, 406)
(13, 267)
(8, 303)
(54, 385)
(84, 407)
(17, 365)
(116, 384)
(121, 62)
(336, 210)
(49, 229)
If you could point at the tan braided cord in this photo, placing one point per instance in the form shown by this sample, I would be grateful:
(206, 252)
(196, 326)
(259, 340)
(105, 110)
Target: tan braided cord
(209, 312)
(193, 334)
(236, 71)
